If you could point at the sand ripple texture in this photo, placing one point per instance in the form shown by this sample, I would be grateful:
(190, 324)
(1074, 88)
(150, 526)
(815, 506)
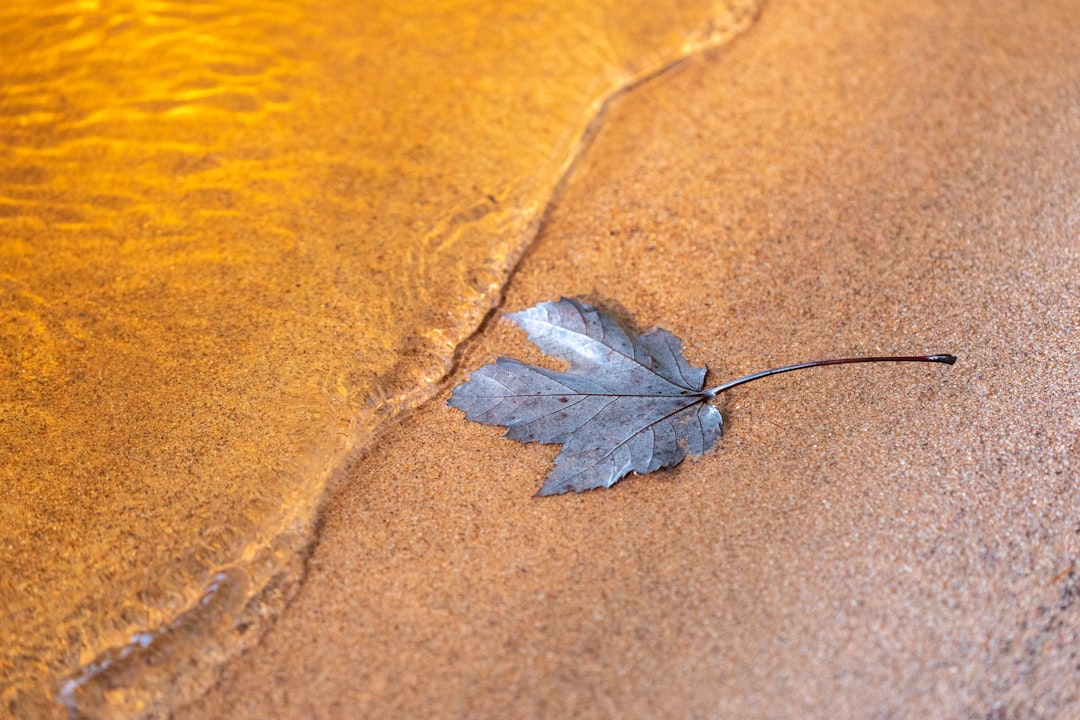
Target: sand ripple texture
(234, 238)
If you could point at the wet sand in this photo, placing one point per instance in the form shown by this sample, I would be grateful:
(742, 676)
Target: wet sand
(867, 541)
(235, 238)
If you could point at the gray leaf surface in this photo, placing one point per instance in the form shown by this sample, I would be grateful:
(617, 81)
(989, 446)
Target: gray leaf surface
(627, 403)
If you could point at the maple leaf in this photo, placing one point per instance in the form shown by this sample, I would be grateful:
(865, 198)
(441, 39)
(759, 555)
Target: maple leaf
(627, 403)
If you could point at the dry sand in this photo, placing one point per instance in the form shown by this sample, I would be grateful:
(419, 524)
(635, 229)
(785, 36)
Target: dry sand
(868, 541)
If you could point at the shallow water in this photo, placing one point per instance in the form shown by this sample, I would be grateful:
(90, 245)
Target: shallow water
(234, 238)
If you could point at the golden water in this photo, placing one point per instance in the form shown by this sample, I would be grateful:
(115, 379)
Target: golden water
(235, 235)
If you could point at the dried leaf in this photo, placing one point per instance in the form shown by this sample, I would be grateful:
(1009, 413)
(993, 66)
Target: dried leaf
(627, 403)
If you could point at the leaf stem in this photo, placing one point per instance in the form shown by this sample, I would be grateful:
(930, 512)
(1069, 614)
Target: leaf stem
(946, 359)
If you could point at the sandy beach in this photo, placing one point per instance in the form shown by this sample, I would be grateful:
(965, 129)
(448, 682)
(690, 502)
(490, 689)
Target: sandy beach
(867, 541)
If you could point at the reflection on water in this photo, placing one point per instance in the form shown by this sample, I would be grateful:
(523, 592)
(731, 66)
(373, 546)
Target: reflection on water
(234, 236)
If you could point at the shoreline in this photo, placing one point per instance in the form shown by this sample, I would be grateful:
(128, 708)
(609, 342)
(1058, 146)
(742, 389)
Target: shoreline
(834, 182)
